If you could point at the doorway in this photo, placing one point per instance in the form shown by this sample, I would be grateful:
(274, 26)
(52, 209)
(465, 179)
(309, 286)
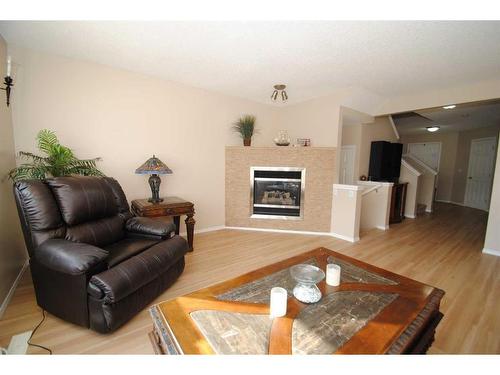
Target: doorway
(347, 158)
(480, 173)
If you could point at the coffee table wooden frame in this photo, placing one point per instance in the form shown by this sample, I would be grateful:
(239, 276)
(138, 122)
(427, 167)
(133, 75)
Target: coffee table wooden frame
(407, 325)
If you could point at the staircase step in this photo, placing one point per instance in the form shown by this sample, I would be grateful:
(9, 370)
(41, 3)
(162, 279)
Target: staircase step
(421, 208)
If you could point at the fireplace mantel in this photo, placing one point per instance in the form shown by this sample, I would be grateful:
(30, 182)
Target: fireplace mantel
(281, 148)
(319, 163)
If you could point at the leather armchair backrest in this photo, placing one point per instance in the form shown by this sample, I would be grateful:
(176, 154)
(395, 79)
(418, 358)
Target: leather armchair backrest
(83, 199)
(39, 214)
(90, 208)
(120, 198)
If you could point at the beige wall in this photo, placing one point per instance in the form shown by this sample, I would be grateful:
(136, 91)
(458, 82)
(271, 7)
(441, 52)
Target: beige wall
(462, 159)
(346, 212)
(316, 119)
(320, 118)
(492, 241)
(125, 117)
(408, 175)
(426, 190)
(449, 142)
(12, 250)
(351, 135)
(375, 205)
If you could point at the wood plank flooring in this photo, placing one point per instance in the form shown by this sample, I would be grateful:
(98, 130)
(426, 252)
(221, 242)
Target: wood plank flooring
(442, 249)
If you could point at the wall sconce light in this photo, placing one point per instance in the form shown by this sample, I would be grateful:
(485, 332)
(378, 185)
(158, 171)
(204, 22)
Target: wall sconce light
(277, 90)
(8, 81)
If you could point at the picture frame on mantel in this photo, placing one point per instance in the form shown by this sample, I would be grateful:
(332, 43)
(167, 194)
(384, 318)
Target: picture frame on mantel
(303, 142)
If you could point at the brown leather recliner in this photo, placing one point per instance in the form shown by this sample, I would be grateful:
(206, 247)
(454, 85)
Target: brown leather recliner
(92, 262)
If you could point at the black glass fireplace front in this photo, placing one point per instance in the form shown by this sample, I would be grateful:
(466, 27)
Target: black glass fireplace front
(277, 192)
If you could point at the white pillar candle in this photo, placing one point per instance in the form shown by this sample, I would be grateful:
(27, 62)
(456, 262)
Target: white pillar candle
(279, 297)
(333, 274)
(8, 66)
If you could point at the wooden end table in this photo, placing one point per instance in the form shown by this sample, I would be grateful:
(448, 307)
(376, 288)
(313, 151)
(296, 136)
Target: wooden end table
(170, 206)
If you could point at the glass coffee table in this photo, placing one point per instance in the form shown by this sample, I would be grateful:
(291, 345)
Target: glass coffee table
(371, 311)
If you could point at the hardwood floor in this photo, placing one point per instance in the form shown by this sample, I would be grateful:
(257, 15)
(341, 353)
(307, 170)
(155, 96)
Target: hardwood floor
(442, 249)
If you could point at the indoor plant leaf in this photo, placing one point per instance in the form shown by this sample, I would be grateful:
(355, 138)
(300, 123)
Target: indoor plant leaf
(59, 161)
(245, 126)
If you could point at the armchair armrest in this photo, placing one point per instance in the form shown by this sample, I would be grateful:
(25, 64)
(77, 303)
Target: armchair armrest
(151, 227)
(69, 257)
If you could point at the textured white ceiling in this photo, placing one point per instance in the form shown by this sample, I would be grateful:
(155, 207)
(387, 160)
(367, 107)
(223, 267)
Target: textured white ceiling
(313, 58)
(463, 117)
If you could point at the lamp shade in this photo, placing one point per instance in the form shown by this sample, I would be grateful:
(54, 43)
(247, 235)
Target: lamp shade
(153, 166)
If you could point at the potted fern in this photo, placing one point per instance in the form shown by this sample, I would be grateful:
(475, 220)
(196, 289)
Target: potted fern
(58, 160)
(245, 126)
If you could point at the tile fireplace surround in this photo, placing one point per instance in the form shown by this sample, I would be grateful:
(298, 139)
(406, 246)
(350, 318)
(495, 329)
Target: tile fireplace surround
(319, 163)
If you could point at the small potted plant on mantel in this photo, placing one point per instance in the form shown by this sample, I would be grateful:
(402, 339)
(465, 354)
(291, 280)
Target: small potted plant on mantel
(245, 126)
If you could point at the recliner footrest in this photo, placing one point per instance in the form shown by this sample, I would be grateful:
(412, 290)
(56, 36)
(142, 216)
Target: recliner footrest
(125, 278)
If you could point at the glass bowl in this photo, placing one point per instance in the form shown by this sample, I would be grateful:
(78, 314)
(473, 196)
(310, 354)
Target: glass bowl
(307, 276)
(307, 273)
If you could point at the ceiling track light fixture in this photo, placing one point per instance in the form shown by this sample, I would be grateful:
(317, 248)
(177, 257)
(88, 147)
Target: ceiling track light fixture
(279, 89)
(451, 106)
(432, 129)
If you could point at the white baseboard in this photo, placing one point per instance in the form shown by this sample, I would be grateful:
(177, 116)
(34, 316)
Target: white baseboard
(382, 227)
(205, 230)
(491, 252)
(308, 233)
(7, 299)
(282, 231)
(410, 216)
(345, 238)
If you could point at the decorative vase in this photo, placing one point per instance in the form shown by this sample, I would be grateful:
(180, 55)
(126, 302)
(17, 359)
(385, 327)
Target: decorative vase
(247, 141)
(307, 276)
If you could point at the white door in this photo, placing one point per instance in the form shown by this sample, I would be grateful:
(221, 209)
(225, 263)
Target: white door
(347, 156)
(428, 153)
(480, 173)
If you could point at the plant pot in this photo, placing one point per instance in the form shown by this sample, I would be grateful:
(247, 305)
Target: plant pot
(247, 141)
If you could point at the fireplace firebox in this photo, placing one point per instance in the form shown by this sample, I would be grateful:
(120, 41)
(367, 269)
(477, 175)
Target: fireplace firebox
(277, 192)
